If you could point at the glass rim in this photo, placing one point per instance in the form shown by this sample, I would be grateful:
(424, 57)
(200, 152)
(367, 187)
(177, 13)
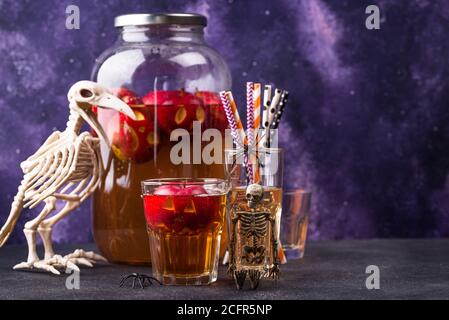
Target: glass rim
(273, 150)
(182, 181)
(296, 191)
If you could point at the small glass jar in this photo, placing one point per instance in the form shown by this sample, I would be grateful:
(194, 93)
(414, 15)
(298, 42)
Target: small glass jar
(163, 68)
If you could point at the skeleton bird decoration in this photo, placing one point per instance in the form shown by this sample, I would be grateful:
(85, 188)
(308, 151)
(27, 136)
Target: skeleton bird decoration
(67, 167)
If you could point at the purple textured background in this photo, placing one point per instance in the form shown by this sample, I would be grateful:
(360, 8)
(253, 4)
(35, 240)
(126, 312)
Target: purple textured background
(366, 127)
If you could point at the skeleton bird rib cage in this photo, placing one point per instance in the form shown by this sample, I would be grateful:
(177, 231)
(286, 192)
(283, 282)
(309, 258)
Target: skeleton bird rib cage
(67, 167)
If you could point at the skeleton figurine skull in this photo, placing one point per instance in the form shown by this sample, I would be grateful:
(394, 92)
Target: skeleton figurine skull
(254, 194)
(67, 167)
(252, 231)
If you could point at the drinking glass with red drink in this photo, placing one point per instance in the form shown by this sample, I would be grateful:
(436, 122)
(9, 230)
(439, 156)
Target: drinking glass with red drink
(185, 220)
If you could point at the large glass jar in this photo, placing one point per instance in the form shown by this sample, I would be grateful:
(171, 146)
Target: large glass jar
(163, 68)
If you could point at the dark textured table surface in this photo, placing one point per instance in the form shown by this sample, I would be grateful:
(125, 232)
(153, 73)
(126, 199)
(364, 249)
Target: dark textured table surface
(409, 269)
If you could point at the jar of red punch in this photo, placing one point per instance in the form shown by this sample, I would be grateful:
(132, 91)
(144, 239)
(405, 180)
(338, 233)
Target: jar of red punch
(163, 68)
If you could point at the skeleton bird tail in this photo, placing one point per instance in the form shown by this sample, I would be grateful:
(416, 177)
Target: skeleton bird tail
(16, 209)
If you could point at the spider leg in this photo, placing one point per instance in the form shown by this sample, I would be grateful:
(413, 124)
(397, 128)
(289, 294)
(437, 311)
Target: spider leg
(259, 163)
(124, 278)
(239, 155)
(140, 281)
(146, 278)
(259, 137)
(151, 278)
(134, 282)
(234, 163)
(239, 143)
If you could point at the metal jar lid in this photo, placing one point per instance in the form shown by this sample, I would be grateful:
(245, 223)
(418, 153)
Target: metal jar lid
(141, 19)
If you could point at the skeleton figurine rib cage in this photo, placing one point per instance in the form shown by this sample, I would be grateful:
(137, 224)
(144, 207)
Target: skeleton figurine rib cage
(252, 228)
(67, 167)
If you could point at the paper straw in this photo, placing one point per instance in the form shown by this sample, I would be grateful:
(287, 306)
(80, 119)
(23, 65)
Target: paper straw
(250, 112)
(274, 105)
(256, 99)
(250, 128)
(266, 106)
(230, 117)
(238, 121)
(280, 110)
(271, 114)
(281, 255)
(257, 124)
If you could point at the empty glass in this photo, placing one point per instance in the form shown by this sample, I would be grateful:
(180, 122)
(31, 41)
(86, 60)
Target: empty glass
(294, 222)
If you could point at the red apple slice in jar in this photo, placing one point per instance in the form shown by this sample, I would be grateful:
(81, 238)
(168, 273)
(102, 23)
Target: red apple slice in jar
(175, 109)
(132, 139)
(216, 117)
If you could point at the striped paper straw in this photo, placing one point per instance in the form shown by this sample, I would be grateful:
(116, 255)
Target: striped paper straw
(250, 127)
(230, 117)
(238, 121)
(250, 112)
(256, 99)
(257, 124)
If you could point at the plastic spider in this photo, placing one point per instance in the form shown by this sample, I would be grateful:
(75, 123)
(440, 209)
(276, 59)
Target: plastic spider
(141, 279)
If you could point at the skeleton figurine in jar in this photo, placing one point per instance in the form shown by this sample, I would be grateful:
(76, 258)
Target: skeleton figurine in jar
(253, 247)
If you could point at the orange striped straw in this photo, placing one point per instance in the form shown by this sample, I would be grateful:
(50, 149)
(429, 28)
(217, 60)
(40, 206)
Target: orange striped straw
(238, 121)
(256, 98)
(257, 123)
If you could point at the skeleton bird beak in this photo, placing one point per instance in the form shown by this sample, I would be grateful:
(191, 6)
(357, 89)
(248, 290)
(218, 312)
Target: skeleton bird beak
(109, 101)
